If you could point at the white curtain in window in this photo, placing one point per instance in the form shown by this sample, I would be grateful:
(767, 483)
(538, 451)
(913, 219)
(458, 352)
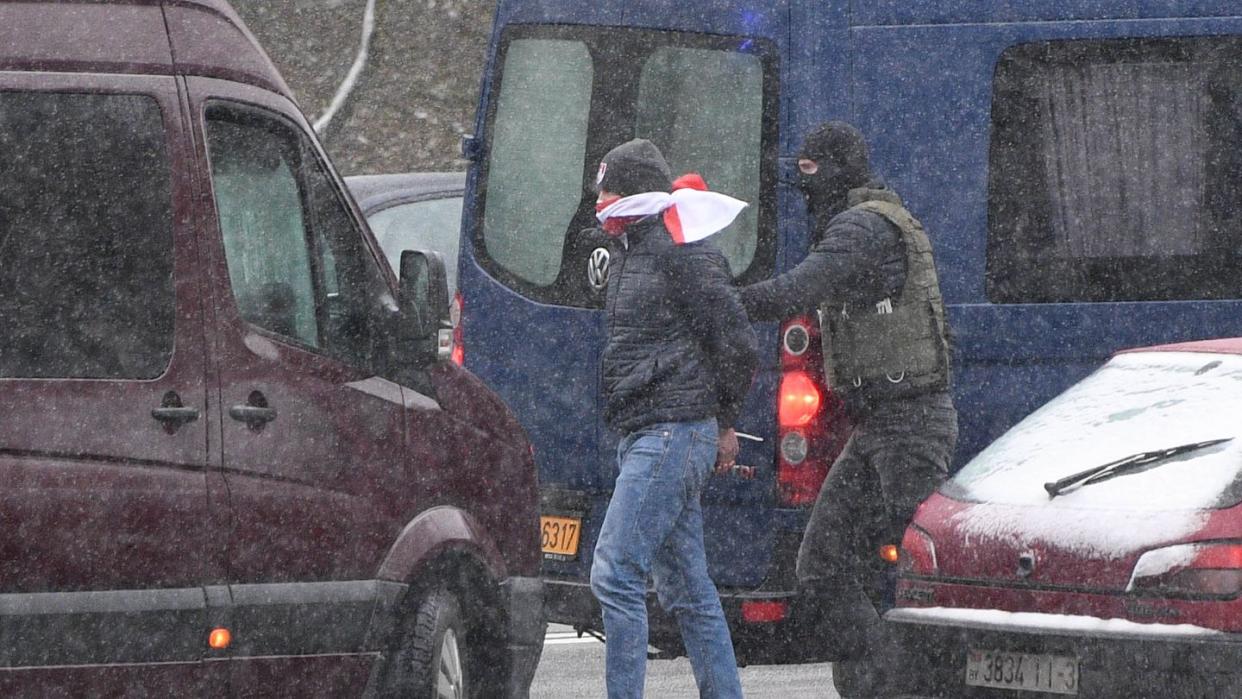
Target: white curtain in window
(1124, 151)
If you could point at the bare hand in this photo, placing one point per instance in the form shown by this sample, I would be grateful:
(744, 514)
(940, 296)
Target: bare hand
(726, 451)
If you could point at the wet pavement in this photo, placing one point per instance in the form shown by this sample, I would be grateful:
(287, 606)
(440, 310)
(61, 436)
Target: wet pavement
(573, 668)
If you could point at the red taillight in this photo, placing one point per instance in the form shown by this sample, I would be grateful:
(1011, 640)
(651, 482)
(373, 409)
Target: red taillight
(459, 340)
(764, 611)
(1190, 570)
(918, 553)
(1224, 556)
(811, 425)
(800, 399)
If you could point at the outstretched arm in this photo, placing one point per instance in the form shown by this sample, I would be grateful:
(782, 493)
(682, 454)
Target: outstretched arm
(839, 268)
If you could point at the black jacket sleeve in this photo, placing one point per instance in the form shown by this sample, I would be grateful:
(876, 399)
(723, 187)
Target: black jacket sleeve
(698, 275)
(846, 266)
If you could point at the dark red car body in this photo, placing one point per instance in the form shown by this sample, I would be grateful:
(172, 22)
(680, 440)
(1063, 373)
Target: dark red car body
(1137, 582)
(140, 511)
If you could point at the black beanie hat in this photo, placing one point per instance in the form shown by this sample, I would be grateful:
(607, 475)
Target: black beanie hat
(634, 167)
(842, 146)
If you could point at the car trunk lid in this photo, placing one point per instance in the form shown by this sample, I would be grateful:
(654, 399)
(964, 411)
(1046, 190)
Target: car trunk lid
(1084, 549)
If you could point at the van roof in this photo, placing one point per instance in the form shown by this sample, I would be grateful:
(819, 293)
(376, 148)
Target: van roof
(158, 37)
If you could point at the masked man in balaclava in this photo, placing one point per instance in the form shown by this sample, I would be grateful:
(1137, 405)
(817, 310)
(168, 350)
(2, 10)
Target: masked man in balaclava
(871, 277)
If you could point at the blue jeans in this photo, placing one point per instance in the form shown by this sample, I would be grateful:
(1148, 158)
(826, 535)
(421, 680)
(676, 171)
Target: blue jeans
(654, 526)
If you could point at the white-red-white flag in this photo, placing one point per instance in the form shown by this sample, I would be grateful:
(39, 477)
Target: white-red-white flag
(689, 214)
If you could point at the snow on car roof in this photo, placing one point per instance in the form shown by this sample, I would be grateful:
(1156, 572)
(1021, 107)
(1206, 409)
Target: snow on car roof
(1139, 401)
(380, 191)
(1223, 345)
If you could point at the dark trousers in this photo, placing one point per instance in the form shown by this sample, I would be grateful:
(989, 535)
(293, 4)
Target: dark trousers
(898, 455)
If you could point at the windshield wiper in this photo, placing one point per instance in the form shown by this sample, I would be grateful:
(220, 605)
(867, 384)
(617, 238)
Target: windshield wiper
(1125, 465)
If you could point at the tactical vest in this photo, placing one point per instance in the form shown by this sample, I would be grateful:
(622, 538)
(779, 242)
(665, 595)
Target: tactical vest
(900, 346)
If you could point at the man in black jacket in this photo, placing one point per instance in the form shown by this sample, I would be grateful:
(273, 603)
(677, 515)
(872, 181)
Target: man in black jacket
(678, 362)
(871, 276)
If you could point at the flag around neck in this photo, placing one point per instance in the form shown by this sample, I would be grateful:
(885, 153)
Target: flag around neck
(689, 214)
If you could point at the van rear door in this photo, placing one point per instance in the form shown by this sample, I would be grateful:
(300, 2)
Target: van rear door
(531, 280)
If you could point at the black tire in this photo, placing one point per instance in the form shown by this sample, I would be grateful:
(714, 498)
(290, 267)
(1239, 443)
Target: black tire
(431, 659)
(858, 679)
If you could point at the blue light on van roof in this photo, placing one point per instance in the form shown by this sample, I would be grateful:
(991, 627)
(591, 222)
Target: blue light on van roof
(751, 19)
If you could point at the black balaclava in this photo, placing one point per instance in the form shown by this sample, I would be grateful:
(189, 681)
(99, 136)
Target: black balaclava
(634, 167)
(841, 153)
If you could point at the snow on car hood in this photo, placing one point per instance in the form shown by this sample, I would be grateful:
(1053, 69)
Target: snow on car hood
(1137, 402)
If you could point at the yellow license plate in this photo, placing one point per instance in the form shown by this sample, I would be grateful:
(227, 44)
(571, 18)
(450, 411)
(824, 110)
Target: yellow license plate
(560, 536)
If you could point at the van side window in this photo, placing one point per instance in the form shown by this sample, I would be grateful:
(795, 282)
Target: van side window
(538, 150)
(1116, 171)
(86, 237)
(297, 263)
(564, 96)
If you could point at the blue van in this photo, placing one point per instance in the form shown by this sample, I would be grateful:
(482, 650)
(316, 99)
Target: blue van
(1078, 166)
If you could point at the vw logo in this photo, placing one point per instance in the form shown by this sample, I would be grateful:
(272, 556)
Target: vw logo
(597, 269)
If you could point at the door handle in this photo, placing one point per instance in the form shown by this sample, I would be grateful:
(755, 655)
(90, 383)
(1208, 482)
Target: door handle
(252, 415)
(255, 412)
(173, 413)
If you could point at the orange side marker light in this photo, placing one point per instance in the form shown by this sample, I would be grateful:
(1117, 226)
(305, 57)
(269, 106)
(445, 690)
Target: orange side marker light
(220, 639)
(890, 553)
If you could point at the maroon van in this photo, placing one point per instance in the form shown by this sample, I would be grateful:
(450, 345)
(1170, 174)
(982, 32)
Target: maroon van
(232, 457)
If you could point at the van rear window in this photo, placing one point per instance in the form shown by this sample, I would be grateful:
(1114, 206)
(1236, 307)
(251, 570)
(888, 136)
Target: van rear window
(537, 153)
(86, 245)
(1116, 171)
(565, 95)
(702, 128)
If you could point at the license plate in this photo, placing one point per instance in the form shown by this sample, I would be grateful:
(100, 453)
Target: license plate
(1057, 674)
(560, 536)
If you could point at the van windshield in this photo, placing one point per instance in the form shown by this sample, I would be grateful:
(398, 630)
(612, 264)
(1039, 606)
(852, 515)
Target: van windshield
(565, 96)
(1136, 403)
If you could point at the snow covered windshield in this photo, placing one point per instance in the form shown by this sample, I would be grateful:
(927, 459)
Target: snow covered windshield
(1135, 403)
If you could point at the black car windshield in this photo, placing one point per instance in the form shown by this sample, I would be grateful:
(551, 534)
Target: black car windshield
(1137, 402)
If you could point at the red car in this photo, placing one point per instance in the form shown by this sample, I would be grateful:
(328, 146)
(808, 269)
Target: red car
(1093, 550)
(234, 459)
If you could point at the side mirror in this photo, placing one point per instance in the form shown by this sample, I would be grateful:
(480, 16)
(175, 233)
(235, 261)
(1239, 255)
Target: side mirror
(425, 303)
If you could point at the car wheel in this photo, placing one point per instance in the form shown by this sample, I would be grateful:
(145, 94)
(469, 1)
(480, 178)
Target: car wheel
(858, 679)
(431, 660)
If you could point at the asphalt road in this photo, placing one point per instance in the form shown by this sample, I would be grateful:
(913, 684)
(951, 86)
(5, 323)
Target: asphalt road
(573, 668)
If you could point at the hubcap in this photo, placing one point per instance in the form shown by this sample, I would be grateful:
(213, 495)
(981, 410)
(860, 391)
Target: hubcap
(450, 675)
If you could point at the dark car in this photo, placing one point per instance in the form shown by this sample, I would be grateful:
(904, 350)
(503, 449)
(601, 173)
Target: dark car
(1093, 550)
(413, 211)
(233, 459)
